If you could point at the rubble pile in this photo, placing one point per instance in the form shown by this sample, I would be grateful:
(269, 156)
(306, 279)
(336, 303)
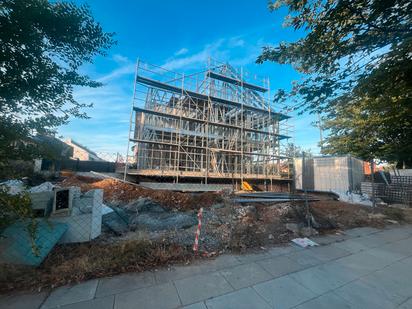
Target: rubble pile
(140, 228)
(117, 192)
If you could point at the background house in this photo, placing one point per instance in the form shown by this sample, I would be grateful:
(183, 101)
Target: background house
(81, 152)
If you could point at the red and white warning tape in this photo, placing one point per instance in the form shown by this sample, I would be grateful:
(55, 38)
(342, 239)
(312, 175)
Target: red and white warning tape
(199, 226)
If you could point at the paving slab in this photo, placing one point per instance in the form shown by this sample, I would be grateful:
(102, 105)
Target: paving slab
(396, 289)
(200, 305)
(329, 239)
(242, 299)
(280, 265)
(304, 258)
(164, 275)
(363, 263)
(391, 235)
(162, 296)
(253, 257)
(124, 283)
(360, 295)
(106, 302)
(371, 241)
(283, 292)
(406, 305)
(361, 231)
(71, 294)
(276, 251)
(386, 254)
(327, 253)
(201, 287)
(394, 279)
(324, 278)
(220, 262)
(245, 275)
(403, 246)
(350, 245)
(24, 300)
(326, 301)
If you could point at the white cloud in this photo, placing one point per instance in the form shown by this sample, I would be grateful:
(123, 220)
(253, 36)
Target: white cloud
(198, 59)
(120, 59)
(181, 51)
(236, 42)
(117, 73)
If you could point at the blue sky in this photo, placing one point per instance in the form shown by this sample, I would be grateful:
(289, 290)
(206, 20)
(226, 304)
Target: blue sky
(180, 35)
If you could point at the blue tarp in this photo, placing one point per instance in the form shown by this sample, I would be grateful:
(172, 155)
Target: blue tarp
(16, 244)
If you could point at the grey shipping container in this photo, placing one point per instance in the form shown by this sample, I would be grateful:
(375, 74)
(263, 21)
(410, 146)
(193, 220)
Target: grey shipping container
(340, 174)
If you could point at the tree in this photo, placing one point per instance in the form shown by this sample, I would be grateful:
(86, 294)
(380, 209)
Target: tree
(356, 61)
(293, 151)
(42, 46)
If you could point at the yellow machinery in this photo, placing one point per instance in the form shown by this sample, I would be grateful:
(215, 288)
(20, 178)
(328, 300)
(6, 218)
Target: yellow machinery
(246, 186)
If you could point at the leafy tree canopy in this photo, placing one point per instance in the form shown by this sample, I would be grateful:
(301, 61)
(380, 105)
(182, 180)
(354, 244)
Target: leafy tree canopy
(294, 151)
(355, 58)
(42, 46)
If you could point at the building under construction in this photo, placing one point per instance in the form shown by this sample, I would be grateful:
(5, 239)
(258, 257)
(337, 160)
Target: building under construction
(212, 126)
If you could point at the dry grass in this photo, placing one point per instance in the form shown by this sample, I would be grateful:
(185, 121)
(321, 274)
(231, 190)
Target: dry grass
(79, 262)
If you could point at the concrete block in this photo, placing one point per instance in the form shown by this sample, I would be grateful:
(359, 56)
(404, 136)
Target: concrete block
(42, 201)
(85, 221)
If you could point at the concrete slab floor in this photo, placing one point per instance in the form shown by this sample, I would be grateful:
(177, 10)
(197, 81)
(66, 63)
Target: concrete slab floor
(370, 269)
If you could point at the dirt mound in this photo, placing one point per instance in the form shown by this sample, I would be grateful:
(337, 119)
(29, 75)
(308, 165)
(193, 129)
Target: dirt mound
(117, 191)
(335, 214)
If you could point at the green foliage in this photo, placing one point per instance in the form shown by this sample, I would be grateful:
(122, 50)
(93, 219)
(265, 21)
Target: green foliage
(17, 207)
(356, 62)
(42, 46)
(291, 150)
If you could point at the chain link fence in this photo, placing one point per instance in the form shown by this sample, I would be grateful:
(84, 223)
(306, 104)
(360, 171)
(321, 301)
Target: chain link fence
(44, 216)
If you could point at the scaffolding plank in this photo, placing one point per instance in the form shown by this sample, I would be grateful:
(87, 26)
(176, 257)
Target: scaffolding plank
(161, 114)
(138, 140)
(236, 82)
(201, 174)
(160, 85)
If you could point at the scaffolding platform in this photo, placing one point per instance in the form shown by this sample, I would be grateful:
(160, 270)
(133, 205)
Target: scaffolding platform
(215, 124)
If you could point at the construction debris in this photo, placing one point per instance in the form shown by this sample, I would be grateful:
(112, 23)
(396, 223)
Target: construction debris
(133, 215)
(304, 242)
(17, 246)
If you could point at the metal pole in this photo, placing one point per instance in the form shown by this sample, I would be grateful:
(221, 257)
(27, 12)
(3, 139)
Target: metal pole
(131, 120)
(373, 183)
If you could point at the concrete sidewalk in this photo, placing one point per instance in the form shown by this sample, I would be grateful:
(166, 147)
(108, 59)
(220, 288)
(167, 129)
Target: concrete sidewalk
(365, 268)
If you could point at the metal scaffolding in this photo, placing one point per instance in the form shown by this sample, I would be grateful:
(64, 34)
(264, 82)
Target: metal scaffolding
(213, 124)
